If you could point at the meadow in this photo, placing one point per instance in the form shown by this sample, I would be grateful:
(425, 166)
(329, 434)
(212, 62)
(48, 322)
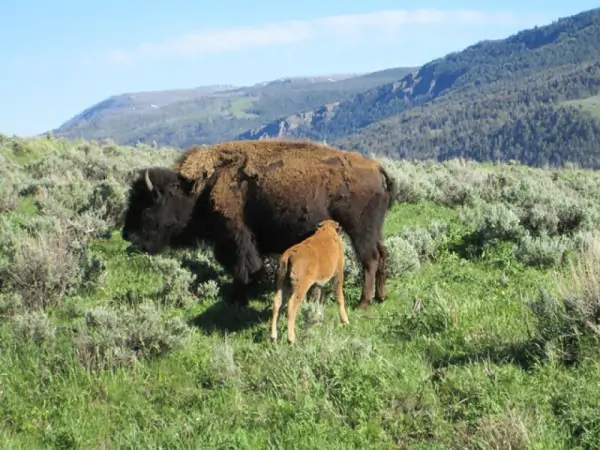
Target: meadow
(488, 339)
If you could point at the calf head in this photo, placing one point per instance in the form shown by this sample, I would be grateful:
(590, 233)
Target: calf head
(160, 206)
(329, 224)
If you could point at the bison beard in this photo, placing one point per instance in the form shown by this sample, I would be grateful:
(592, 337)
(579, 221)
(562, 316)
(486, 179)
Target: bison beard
(249, 199)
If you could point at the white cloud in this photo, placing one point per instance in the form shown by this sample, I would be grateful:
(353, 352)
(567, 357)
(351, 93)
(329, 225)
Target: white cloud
(385, 23)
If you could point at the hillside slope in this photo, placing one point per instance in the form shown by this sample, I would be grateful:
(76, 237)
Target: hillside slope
(469, 102)
(212, 113)
(488, 338)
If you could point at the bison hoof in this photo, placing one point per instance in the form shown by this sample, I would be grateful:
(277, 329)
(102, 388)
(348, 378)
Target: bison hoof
(363, 304)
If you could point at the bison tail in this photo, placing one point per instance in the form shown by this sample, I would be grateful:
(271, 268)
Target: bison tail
(391, 186)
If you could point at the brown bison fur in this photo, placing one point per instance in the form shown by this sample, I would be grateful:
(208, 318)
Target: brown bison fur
(316, 260)
(254, 198)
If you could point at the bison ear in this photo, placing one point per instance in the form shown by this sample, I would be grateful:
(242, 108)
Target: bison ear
(186, 184)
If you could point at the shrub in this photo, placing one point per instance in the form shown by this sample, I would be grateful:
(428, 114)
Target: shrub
(11, 303)
(453, 192)
(580, 289)
(585, 240)
(413, 184)
(9, 198)
(421, 240)
(177, 281)
(114, 337)
(570, 318)
(493, 222)
(543, 251)
(44, 268)
(108, 201)
(225, 370)
(207, 290)
(32, 328)
(403, 259)
(574, 217)
(438, 229)
(537, 219)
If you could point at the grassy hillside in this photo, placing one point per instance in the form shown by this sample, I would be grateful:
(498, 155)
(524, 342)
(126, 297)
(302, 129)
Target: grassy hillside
(589, 104)
(489, 338)
(476, 102)
(210, 114)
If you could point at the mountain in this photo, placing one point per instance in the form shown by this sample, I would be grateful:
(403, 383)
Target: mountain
(530, 97)
(213, 113)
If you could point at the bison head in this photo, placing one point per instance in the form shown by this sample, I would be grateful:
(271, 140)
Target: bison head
(159, 209)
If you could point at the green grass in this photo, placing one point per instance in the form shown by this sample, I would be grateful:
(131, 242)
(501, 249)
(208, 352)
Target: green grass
(239, 107)
(589, 104)
(466, 370)
(374, 365)
(372, 383)
(420, 215)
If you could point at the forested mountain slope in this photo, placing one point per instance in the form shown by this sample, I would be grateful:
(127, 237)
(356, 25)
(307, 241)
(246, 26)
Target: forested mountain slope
(477, 102)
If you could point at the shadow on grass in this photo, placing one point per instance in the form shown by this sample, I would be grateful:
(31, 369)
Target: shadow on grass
(226, 316)
(469, 247)
(223, 317)
(525, 355)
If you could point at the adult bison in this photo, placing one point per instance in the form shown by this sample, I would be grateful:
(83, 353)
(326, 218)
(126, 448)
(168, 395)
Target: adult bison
(250, 199)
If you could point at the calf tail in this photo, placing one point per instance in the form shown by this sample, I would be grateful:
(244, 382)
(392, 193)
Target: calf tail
(391, 186)
(283, 271)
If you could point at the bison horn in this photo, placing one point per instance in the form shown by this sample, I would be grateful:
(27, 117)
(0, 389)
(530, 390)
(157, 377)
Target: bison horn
(148, 182)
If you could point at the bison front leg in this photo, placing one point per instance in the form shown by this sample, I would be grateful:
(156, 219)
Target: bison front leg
(238, 254)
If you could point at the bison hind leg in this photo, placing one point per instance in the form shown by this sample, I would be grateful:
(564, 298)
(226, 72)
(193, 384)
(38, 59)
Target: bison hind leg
(380, 277)
(366, 236)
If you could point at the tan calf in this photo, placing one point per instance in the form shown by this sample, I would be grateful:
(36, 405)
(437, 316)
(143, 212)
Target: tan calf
(316, 260)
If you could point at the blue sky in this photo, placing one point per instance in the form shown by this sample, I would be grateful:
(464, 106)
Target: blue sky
(60, 57)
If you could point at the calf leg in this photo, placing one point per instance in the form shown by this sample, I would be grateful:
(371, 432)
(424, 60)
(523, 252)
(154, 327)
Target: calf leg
(277, 302)
(300, 290)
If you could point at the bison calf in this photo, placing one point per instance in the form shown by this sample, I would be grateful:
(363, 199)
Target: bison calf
(317, 259)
